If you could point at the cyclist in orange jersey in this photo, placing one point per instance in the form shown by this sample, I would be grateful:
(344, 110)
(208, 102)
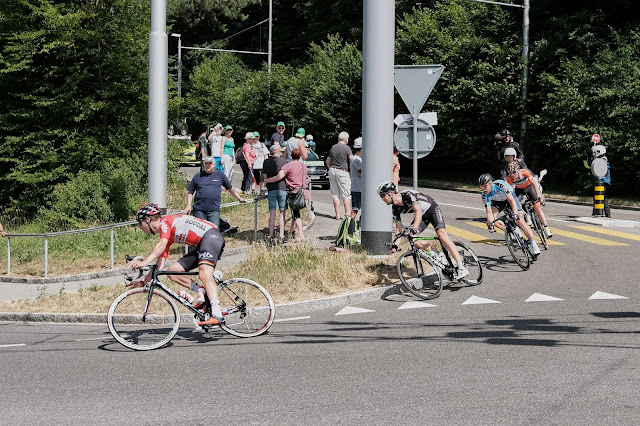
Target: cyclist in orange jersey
(524, 183)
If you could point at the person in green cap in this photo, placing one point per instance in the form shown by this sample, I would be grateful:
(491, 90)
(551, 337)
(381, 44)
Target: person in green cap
(278, 136)
(296, 142)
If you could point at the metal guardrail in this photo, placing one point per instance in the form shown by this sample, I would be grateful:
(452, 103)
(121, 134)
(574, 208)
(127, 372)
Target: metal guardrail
(111, 228)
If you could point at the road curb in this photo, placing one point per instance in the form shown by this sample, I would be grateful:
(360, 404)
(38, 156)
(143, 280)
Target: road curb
(281, 310)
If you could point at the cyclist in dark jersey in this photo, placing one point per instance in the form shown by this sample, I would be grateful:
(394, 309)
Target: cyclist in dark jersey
(426, 211)
(191, 231)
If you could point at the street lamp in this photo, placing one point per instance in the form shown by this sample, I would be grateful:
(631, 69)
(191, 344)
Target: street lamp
(179, 63)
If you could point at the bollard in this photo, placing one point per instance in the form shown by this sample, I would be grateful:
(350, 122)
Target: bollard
(598, 198)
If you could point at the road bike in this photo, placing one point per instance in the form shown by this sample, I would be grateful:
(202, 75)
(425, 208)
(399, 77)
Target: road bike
(422, 274)
(146, 318)
(518, 248)
(536, 223)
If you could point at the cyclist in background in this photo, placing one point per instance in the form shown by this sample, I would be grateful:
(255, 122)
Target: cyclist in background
(524, 183)
(510, 155)
(189, 230)
(426, 211)
(497, 196)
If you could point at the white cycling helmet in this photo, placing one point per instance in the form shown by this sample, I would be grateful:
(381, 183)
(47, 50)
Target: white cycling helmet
(309, 138)
(598, 151)
(510, 151)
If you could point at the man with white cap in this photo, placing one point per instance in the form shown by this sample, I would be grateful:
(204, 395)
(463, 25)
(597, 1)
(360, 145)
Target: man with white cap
(355, 168)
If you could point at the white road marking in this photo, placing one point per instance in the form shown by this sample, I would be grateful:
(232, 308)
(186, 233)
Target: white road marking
(13, 346)
(603, 295)
(414, 304)
(291, 319)
(95, 338)
(475, 300)
(537, 297)
(347, 310)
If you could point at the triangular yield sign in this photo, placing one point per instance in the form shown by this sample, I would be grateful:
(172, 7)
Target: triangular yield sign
(414, 304)
(415, 83)
(603, 295)
(475, 300)
(347, 310)
(537, 297)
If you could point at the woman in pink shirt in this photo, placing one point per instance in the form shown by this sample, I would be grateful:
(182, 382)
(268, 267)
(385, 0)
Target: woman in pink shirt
(246, 163)
(295, 176)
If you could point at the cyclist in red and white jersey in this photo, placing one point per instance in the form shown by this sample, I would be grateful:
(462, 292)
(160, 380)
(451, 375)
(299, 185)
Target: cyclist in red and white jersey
(525, 183)
(189, 230)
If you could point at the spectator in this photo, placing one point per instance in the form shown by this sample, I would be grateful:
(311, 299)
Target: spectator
(296, 142)
(355, 168)
(277, 191)
(295, 176)
(246, 163)
(278, 136)
(215, 145)
(396, 166)
(339, 182)
(228, 152)
(261, 154)
(202, 143)
(2, 231)
(207, 186)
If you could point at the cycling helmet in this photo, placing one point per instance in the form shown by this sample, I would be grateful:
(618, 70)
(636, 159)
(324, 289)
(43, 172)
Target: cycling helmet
(510, 151)
(146, 211)
(505, 132)
(484, 178)
(385, 187)
(309, 138)
(599, 151)
(513, 166)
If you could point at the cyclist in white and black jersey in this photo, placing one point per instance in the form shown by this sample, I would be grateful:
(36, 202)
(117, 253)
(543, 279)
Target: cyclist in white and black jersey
(426, 211)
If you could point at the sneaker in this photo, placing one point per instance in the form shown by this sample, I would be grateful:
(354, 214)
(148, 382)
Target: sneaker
(460, 273)
(548, 232)
(211, 321)
(534, 247)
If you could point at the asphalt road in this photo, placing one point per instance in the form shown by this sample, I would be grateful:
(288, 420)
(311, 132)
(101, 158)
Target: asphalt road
(553, 345)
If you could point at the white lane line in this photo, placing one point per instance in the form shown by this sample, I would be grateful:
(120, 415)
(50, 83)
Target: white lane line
(13, 346)
(290, 319)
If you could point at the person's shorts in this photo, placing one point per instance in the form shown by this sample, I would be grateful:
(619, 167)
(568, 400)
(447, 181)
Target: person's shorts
(340, 183)
(257, 174)
(277, 200)
(500, 206)
(432, 216)
(529, 191)
(208, 252)
(356, 200)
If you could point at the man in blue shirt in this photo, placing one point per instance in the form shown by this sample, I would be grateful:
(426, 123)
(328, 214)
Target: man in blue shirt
(207, 186)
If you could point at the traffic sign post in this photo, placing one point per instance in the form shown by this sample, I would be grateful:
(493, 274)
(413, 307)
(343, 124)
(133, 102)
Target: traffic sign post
(414, 84)
(422, 141)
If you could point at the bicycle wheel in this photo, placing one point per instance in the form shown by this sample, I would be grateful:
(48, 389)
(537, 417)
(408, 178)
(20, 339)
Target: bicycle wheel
(247, 307)
(131, 329)
(518, 250)
(537, 225)
(420, 275)
(471, 262)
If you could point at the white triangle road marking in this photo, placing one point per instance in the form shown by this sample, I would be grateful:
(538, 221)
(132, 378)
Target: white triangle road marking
(475, 300)
(347, 310)
(603, 295)
(537, 297)
(414, 304)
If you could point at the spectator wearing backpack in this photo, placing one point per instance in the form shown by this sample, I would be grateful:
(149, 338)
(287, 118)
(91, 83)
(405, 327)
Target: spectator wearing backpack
(295, 176)
(355, 169)
(246, 163)
(338, 162)
(261, 154)
(277, 191)
(228, 152)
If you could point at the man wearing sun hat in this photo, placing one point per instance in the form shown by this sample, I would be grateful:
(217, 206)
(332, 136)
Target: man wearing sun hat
(296, 142)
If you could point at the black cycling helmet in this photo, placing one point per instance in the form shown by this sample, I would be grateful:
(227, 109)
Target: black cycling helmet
(484, 178)
(385, 187)
(505, 132)
(146, 211)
